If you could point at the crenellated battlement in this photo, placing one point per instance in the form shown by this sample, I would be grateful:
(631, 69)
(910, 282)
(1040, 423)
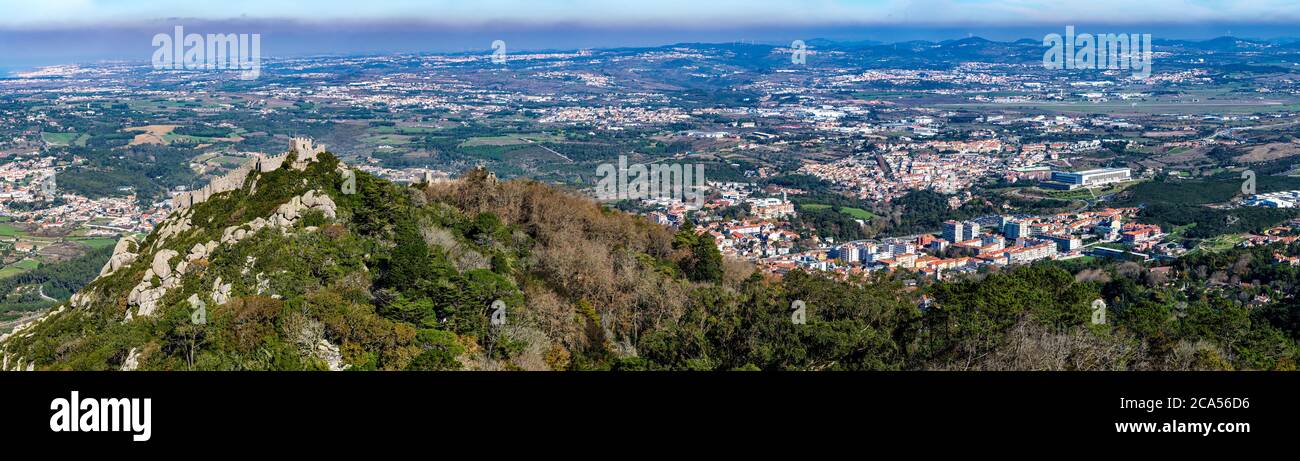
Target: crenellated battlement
(307, 151)
(266, 164)
(228, 182)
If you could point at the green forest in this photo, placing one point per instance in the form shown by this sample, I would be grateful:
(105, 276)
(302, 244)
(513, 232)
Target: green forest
(59, 279)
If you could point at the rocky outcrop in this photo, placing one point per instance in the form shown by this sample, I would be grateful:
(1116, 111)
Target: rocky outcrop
(122, 256)
(145, 295)
(18, 365)
(263, 284)
(162, 263)
(329, 353)
(82, 299)
(198, 251)
(289, 212)
(23, 331)
(173, 226)
(249, 261)
(310, 337)
(220, 292)
(132, 361)
(19, 330)
(164, 260)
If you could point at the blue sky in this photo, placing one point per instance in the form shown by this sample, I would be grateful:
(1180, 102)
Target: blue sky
(702, 13)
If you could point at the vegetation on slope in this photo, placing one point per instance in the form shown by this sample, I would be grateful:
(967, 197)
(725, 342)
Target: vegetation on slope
(58, 280)
(405, 278)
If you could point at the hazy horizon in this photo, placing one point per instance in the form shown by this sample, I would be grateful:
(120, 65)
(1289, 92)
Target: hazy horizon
(28, 47)
(716, 13)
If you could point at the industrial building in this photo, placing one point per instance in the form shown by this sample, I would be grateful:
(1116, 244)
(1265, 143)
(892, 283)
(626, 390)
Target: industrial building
(1284, 199)
(1070, 180)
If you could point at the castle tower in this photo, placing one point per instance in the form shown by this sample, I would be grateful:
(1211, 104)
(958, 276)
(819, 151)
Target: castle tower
(307, 151)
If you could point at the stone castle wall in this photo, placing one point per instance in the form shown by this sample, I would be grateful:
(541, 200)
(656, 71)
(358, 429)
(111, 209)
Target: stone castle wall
(307, 151)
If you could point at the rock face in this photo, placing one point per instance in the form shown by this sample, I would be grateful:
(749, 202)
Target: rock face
(289, 212)
(22, 331)
(320, 201)
(132, 361)
(197, 252)
(83, 298)
(122, 256)
(263, 283)
(173, 227)
(161, 263)
(19, 330)
(166, 263)
(145, 295)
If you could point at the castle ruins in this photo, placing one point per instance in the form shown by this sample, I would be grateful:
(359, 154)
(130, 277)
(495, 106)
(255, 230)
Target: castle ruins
(306, 149)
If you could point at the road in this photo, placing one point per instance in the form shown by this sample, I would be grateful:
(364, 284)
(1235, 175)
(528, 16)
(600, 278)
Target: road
(40, 289)
(566, 158)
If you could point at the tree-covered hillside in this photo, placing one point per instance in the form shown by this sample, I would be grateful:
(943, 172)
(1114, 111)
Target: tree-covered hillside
(294, 273)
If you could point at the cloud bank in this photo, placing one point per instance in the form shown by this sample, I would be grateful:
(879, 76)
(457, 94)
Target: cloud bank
(676, 13)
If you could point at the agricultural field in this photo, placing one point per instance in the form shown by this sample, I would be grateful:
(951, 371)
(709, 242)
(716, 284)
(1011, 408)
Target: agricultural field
(19, 267)
(855, 213)
(65, 139)
(45, 249)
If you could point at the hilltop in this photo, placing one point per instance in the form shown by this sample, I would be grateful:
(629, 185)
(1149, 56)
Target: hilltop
(301, 263)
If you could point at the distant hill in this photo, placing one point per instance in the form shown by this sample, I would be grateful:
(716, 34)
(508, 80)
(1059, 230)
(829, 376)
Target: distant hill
(1220, 44)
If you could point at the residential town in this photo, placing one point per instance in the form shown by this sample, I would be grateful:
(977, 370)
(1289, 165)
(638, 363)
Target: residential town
(30, 195)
